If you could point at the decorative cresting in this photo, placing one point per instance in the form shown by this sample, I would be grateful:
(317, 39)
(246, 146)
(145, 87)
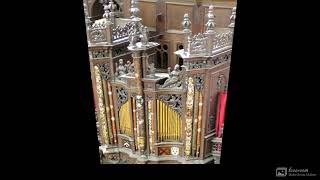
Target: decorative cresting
(121, 33)
(189, 116)
(199, 44)
(174, 101)
(204, 44)
(98, 33)
(223, 39)
(169, 123)
(101, 108)
(124, 116)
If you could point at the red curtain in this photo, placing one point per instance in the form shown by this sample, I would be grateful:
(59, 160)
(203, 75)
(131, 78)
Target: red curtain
(221, 109)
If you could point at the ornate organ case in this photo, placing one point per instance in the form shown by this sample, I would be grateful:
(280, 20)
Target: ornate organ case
(148, 117)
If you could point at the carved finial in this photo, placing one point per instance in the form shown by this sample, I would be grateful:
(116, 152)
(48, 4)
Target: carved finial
(112, 6)
(186, 24)
(106, 14)
(134, 8)
(210, 24)
(233, 17)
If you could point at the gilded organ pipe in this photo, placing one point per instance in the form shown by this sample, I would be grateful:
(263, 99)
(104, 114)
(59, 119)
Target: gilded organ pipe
(124, 116)
(168, 123)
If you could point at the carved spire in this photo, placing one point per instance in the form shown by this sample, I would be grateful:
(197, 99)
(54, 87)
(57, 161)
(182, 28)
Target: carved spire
(186, 24)
(106, 14)
(233, 17)
(210, 24)
(134, 10)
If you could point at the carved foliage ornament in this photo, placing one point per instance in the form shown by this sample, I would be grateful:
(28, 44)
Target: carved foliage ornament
(105, 71)
(198, 44)
(199, 82)
(223, 39)
(97, 54)
(197, 64)
(122, 95)
(174, 101)
(97, 32)
(222, 83)
(221, 59)
(122, 32)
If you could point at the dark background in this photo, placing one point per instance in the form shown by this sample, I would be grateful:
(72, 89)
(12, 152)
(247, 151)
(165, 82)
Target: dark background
(272, 106)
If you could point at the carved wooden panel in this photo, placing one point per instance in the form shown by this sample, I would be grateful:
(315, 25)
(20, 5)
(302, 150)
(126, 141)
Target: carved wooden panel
(175, 13)
(208, 147)
(164, 151)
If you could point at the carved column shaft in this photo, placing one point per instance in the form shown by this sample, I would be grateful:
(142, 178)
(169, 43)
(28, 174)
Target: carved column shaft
(141, 115)
(210, 37)
(108, 32)
(186, 45)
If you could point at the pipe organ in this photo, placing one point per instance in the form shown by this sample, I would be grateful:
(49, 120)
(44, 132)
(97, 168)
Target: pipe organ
(124, 118)
(169, 123)
(150, 116)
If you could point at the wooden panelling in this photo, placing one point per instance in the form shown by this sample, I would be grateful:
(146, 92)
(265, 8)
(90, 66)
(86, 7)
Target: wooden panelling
(175, 13)
(148, 14)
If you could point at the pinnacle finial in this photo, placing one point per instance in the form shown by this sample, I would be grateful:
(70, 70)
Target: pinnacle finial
(186, 24)
(112, 6)
(106, 14)
(210, 24)
(233, 17)
(134, 8)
